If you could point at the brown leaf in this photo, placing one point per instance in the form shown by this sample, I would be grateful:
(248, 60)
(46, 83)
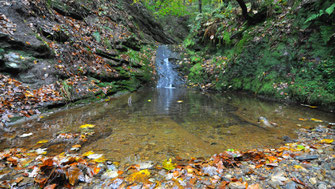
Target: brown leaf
(48, 163)
(73, 174)
(18, 180)
(52, 186)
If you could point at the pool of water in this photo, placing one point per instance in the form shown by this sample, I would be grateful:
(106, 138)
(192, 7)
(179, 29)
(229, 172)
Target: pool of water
(155, 124)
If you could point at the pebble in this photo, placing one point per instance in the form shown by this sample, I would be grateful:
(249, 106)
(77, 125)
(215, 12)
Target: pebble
(307, 157)
(109, 175)
(312, 180)
(322, 186)
(237, 185)
(291, 185)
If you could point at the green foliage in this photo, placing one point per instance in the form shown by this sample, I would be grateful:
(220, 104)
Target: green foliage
(327, 32)
(96, 35)
(329, 11)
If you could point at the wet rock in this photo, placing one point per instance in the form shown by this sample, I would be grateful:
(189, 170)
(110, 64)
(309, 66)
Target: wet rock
(291, 185)
(237, 185)
(14, 63)
(306, 157)
(109, 174)
(264, 122)
(279, 177)
(322, 186)
(287, 139)
(146, 165)
(274, 184)
(312, 180)
(70, 8)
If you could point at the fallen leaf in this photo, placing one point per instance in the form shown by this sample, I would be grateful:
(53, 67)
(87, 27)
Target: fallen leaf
(316, 120)
(41, 151)
(87, 153)
(42, 141)
(327, 141)
(87, 126)
(52, 186)
(18, 180)
(76, 147)
(301, 147)
(26, 135)
(140, 176)
(168, 165)
(73, 175)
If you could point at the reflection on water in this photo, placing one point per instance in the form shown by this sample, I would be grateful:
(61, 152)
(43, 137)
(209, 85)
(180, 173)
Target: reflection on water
(162, 123)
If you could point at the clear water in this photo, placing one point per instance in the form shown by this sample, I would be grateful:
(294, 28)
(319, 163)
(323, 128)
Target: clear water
(163, 123)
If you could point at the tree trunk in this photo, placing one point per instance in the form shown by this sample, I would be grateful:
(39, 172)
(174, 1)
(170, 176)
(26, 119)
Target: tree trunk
(200, 6)
(244, 9)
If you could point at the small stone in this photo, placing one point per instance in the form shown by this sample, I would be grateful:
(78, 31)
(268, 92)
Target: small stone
(274, 184)
(279, 177)
(312, 180)
(322, 186)
(291, 185)
(237, 185)
(109, 175)
(146, 165)
(306, 157)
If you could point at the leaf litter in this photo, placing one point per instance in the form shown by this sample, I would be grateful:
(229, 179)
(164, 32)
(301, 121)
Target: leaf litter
(254, 168)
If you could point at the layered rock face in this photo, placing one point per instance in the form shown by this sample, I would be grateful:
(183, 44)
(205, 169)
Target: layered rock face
(57, 50)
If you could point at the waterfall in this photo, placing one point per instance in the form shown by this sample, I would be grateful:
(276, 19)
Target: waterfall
(168, 77)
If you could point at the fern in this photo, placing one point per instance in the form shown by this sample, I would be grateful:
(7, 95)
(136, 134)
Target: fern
(329, 11)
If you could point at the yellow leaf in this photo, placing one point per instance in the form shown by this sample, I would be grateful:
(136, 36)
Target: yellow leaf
(313, 107)
(87, 126)
(316, 120)
(28, 94)
(75, 147)
(140, 176)
(100, 160)
(168, 165)
(327, 141)
(298, 167)
(302, 119)
(42, 141)
(88, 153)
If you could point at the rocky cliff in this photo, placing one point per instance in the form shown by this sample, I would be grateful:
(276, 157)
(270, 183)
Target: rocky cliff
(54, 51)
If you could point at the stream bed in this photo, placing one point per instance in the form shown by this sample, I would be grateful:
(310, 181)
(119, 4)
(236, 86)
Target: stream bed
(159, 123)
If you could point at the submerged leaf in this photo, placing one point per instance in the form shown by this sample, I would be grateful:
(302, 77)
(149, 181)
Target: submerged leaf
(168, 165)
(140, 176)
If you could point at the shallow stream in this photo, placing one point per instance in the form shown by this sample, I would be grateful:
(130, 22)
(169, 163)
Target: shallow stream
(160, 123)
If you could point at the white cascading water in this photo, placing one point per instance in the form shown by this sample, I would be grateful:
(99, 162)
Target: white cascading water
(168, 77)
